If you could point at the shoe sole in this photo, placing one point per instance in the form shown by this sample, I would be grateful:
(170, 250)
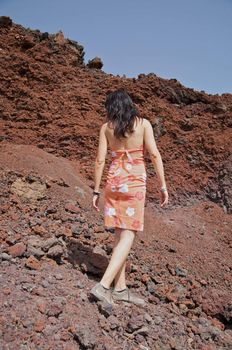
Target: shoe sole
(115, 297)
(131, 302)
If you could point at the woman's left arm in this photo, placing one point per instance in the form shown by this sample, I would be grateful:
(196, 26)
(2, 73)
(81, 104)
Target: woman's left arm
(100, 159)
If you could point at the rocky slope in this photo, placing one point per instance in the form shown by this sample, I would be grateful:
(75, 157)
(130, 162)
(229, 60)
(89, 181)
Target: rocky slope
(54, 247)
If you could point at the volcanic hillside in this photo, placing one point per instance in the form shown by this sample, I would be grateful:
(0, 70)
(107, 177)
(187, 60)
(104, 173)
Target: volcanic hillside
(53, 245)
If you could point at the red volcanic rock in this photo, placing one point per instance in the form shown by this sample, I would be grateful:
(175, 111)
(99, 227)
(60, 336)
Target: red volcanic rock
(192, 128)
(96, 63)
(72, 208)
(41, 305)
(214, 302)
(39, 325)
(5, 21)
(39, 230)
(17, 250)
(33, 263)
(55, 251)
(59, 38)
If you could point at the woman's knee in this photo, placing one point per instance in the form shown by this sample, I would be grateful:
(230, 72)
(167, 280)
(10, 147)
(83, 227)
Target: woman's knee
(128, 234)
(123, 234)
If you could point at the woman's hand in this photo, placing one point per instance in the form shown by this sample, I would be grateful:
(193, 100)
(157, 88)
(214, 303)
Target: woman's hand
(163, 198)
(95, 202)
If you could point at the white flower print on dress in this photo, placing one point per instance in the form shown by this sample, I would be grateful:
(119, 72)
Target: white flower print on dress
(130, 211)
(113, 154)
(123, 188)
(113, 188)
(110, 212)
(128, 166)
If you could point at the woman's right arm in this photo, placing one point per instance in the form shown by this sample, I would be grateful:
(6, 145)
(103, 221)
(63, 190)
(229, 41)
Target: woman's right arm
(156, 159)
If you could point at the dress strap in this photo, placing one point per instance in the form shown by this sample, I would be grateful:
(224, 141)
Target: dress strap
(122, 153)
(128, 150)
(118, 154)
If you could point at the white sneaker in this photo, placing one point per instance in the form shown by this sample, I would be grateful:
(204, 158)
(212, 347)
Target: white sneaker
(102, 294)
(126, 295)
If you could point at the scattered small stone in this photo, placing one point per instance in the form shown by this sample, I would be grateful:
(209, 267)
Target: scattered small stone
(134, 268)
(33, 263)
(39, 230)
(50, 210)
(28, 287)
(55, 252)
(48, 243)
(80, 285)
(5, 256)
(143, 331)
(148, 318)
(151, 287)
(75, 230)
(172, 250)
(55, 309)
(39, 325)
(83, 296)
(17, 250)
(157, 319)
(104, 308)
(181, 272)
(72, 208)
(84, 336)
(135, 323)
(58, 276)
(113, 321)
(37, 252)
(45, 283)
(41, 305)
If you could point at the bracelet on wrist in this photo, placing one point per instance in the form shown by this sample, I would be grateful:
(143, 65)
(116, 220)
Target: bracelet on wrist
(163, 189)
(96, 193)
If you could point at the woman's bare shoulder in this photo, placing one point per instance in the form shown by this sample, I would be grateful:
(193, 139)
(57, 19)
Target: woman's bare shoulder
(104, 126)
(146, 121)
(141, 121)
(147, 124)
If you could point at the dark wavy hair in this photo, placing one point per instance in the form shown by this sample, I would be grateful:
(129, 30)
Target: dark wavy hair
(121, 112)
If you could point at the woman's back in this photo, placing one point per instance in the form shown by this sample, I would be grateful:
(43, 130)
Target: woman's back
(134, 140)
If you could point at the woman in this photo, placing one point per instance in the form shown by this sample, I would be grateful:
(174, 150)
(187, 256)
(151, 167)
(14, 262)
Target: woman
(127, 134)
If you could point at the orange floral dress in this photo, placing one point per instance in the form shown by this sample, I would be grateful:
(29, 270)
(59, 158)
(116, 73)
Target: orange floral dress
(125, 190)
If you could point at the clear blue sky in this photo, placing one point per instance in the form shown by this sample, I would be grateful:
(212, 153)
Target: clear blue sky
(190, 40)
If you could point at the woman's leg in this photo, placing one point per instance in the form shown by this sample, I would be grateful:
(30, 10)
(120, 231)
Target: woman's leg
(118, 258)
(120, 278)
